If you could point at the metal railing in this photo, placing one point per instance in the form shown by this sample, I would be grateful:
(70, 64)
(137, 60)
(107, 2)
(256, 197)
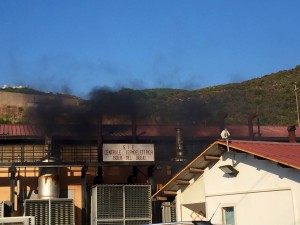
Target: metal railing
(38, 153)
(22, 153)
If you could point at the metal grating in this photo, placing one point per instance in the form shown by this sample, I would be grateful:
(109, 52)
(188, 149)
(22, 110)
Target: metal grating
(173, 213)
(111, 202)
(62, 211)
(136, 204)
(1, 209)
(24, 220)
(136, 222)
(52, 211)
(79, 153)
(109, 223)
(39, 209)
(121, 205)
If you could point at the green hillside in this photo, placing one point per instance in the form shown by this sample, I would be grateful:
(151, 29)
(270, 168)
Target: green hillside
(271, 97)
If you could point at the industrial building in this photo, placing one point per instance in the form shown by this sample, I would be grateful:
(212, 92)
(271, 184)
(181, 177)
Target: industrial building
(66, 177)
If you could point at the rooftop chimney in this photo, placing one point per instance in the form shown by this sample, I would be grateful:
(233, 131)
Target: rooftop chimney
(292, 133)
(250, 125)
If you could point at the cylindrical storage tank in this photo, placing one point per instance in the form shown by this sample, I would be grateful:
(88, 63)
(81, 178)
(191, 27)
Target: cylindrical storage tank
(48, 182)
(48, 186)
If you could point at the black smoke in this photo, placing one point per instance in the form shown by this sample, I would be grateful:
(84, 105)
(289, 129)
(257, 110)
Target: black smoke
(60, 114)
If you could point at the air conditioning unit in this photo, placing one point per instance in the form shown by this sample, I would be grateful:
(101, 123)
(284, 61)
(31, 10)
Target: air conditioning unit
(121, 205)
(20, 220)
(58, 211)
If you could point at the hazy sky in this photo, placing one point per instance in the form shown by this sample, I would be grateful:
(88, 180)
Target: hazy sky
(57, 45)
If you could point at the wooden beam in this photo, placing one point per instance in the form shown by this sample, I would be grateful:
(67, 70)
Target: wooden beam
(173, 193)
(196, 170)
(160, 198)
(211, 158)
(182, 182)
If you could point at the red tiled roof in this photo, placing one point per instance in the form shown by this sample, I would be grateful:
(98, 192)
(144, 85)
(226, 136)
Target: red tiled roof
(284, 153)
(20, 130)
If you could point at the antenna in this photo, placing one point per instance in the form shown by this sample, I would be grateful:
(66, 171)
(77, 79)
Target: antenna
(297, 106)
(214, 212)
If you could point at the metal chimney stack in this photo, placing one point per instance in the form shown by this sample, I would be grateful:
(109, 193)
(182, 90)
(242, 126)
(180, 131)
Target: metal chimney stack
(179, 146)
(48, 181)
(292, 134)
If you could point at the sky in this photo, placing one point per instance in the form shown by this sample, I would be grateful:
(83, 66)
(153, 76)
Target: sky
(75, 46)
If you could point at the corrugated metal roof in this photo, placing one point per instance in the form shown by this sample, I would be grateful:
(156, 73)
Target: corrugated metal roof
(284, 153)
(278, 133)
(20, 130)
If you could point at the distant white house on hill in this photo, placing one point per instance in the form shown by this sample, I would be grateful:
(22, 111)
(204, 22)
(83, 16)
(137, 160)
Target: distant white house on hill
(242, 183)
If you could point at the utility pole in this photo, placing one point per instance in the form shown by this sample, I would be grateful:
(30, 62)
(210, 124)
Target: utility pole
(297, 106)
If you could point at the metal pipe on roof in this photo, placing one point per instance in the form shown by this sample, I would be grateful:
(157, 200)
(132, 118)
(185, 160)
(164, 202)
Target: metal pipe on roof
(292, 134)
(250, 125)
(179, 146)
(12, 170)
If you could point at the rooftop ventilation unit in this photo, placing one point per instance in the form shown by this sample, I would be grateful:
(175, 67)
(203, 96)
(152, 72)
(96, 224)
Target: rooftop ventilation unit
(121, 205)
(51, 211)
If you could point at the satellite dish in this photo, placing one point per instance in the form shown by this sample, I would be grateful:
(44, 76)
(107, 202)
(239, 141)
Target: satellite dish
(225, 134)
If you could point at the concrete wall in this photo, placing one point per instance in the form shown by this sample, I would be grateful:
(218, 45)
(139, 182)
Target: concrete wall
(262, 192)
(29, 100)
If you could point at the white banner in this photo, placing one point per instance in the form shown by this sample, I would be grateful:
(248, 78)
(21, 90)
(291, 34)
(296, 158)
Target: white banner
(128, 152)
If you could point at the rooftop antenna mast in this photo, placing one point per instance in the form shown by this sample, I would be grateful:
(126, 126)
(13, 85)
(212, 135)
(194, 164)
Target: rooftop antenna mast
(296, 95)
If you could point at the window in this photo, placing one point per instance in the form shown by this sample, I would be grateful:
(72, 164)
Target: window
(228, 215)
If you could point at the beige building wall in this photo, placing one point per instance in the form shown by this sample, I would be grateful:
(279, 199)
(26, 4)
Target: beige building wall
(261, 193)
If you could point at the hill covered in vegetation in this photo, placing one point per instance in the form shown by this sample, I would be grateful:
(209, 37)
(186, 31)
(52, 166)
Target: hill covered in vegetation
(272, 97)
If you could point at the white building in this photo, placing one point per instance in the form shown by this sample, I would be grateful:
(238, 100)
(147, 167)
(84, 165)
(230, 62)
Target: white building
(264, 188)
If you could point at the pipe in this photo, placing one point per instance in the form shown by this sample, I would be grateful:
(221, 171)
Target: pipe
(12, 171)
(83, 195)
(179, 146)
(250, 125)
(134, 140)
(99, 177)
(133, 128)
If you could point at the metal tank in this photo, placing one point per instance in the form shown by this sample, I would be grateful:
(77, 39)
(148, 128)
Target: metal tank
(48, 182)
